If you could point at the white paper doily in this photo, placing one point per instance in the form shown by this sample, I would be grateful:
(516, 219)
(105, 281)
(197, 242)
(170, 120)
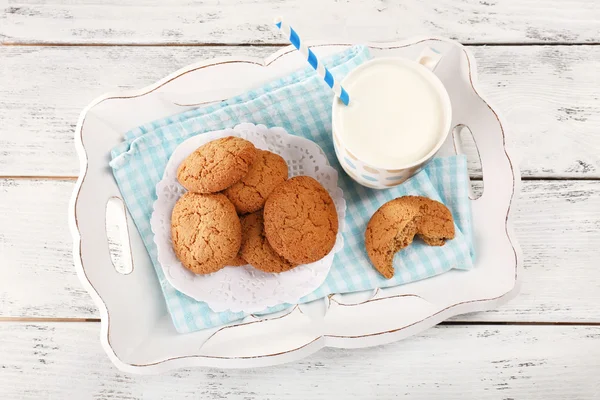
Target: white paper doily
(245, 288)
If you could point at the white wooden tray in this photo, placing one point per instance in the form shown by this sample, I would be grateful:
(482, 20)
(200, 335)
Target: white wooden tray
(136, 331)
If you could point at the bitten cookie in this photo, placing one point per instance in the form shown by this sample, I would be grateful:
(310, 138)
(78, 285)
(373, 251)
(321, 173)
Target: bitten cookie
(216, 165)
(301, 222)
(256, 250)
(206, 232)
(395, 224)
(249, 194)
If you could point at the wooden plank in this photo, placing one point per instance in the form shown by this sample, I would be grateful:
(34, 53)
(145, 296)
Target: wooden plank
(232, 22)
(558, 227)
(43, 90)
(557, 223)
(548, 95)
(503, 362)
(37, 273)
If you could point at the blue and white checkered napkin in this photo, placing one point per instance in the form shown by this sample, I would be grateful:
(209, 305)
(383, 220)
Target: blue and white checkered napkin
(300, 103)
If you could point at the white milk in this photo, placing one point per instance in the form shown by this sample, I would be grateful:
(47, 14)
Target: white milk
(396, 115)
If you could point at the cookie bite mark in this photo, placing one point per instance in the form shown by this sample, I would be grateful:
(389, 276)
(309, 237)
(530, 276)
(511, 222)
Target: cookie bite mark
(216, 165)
(250, 193)
(394, 225)
(205, 231)
(256, 249)
(301, 222)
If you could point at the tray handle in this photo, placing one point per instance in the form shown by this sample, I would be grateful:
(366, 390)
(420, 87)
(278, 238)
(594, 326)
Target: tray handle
(470, 110)
(467, 148)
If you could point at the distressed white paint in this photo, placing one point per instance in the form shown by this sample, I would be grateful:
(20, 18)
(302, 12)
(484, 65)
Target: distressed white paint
(547, 94)
(64, 360)
(557, 224)
(43, 91)
(38, 278)
(237, 21)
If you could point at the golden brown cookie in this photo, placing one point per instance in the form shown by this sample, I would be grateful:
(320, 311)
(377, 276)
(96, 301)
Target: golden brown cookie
(301, 222)
(395, 224)
(205, 231)
(237, 261)
(216, 165)
(249, 194)
(257, 250)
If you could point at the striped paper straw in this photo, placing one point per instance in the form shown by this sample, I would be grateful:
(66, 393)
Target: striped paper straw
(312, 60)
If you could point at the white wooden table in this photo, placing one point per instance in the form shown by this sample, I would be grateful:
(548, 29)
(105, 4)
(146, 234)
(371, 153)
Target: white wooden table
(539, 63)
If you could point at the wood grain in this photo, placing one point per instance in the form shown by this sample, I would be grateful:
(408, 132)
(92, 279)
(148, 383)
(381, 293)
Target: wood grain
(502, 362)
(40, 101)
(37, 276)
(59, 56)
(548, 95)
(232, 22)
(557, 223)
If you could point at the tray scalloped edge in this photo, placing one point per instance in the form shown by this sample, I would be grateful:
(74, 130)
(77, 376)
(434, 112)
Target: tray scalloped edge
(318, 341)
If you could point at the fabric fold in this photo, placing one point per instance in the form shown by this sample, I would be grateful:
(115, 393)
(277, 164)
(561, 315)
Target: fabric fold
(301, 104)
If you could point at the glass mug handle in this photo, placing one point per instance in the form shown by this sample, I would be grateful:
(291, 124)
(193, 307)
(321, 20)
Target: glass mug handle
(429, 58)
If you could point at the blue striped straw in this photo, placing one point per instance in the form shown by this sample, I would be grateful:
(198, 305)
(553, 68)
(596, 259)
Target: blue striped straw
(312, 60)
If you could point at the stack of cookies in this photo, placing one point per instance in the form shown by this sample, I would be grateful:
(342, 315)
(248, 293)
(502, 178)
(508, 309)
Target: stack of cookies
(241, 208)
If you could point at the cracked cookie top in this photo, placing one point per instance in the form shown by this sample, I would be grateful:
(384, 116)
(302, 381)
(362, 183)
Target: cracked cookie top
(256, 249)
(301, 222)
(216, 165)
(206, 232)
(249, 194)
